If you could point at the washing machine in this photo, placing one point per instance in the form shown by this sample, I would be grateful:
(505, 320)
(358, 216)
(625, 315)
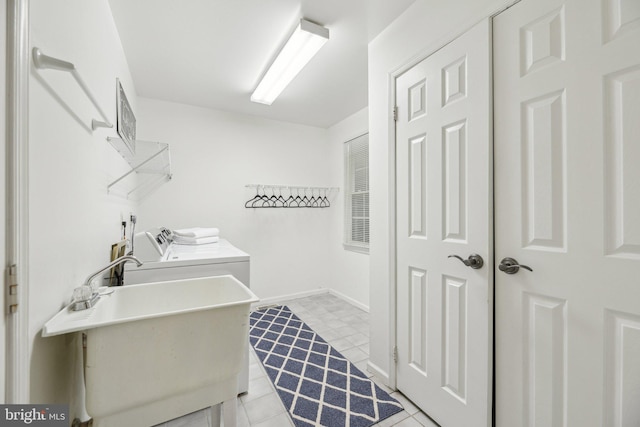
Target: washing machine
(164, 260)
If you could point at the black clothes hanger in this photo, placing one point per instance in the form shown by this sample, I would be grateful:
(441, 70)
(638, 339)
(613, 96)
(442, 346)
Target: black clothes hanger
(305, 199)
(249, 203)
(315, 201)
(324, 202)
(280, 201)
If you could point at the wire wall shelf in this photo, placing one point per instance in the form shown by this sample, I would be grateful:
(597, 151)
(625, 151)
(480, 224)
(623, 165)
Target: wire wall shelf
(150, 166)
(288, 196)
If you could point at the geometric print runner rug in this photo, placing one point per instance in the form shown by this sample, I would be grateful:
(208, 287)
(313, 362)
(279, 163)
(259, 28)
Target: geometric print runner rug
(317, 385)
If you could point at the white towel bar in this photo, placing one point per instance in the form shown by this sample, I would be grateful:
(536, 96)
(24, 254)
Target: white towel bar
(43, 61)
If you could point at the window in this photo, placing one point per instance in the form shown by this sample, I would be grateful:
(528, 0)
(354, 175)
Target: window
(356, 222)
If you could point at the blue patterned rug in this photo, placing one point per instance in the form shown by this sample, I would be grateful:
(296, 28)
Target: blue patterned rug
(317, 385)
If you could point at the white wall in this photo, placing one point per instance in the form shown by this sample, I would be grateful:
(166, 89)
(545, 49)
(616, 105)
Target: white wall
(214, 155)
(349, 271)
(424, 27)
(72, 220)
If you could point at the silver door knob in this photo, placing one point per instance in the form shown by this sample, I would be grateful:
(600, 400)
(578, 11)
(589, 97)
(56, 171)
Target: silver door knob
(511, 266)
(474, 261)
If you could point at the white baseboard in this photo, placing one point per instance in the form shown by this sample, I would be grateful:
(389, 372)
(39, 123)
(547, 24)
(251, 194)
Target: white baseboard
(379, 373)
(281, 298)
(350, 300)
(319, 291)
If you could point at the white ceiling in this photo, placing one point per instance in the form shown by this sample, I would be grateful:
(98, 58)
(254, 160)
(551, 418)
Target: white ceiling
(211, 53)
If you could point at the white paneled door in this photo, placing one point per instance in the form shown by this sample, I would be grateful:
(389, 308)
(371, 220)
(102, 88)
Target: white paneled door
(567, 205)
(444, 208)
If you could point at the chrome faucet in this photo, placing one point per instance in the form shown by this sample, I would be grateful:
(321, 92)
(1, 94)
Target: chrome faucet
(115, 262)
(86, 296)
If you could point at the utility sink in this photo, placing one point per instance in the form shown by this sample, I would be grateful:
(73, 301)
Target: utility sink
(156, 351)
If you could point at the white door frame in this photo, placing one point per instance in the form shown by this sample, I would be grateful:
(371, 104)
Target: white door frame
(393, 76)
(17, 204)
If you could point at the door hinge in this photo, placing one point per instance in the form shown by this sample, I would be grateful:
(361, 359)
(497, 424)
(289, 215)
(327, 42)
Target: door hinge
(395, 113)
(395, 354)
(12, 289)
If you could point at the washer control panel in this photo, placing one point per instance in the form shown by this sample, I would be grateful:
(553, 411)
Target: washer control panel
(151, 245)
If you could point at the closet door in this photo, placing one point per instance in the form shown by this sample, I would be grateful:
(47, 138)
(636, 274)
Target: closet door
(567, 205)
(444, 306)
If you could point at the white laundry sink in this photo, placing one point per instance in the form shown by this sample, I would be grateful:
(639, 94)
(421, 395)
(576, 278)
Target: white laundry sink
(156, 351)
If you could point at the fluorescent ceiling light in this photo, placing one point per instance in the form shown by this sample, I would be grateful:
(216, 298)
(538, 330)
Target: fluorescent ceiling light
(303, 44)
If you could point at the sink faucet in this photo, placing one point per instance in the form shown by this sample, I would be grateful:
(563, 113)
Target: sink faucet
(86, 296)
(115, 262)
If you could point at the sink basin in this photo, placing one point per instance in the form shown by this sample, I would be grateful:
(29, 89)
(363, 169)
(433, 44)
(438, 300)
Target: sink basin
(145, 301)
(156, 351)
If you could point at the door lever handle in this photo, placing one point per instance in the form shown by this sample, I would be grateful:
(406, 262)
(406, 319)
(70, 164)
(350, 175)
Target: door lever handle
(474, 261)
(511, 266)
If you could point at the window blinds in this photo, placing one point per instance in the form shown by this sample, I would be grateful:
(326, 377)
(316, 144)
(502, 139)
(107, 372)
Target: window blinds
(357, 191)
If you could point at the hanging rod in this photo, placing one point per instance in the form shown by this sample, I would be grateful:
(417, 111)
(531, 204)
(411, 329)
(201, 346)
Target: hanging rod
(43, 61)
(294, 187)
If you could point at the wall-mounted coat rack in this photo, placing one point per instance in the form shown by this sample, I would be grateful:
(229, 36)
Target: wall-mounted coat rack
(286, 196)
(43, 61)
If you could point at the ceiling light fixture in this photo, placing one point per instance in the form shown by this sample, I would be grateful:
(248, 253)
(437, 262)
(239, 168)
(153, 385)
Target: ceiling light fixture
(304, 43)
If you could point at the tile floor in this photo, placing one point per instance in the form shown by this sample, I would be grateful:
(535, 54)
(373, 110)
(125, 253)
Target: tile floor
(343, 326)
